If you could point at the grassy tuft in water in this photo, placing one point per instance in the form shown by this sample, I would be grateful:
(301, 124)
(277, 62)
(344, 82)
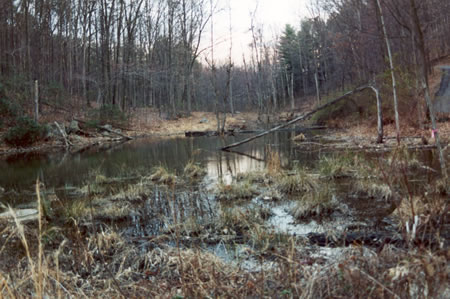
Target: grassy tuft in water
(238, 191)
(273, 163)
(194, 171)
(297, 183)
(367, 189)
(162, 175)
(315, 205)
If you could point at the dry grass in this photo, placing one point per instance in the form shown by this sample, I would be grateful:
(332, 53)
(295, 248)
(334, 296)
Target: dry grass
(103, 264)
(367, 189)
(147, 120)
(315, 205)
(237, 191)
(297, 183)
(299, 138)
(273, 162)
(254, 177)
(194, 171)
(162, 175)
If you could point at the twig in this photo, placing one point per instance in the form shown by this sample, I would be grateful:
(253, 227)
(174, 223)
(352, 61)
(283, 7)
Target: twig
(379, 283)
(61, 285)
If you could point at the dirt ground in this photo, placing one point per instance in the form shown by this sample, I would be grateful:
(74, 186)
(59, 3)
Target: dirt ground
(147, 121)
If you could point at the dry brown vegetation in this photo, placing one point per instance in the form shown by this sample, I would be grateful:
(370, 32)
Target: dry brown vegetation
(82, 259)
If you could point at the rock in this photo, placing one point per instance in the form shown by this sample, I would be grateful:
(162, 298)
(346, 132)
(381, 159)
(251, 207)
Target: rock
(74, 127)
(2, 190)
(204, 121)
(106, 127)
(21, 214)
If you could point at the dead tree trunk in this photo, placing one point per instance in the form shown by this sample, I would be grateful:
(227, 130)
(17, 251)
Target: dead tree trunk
(36, 100)
(309, 114)
(379, 114)
(391, 65)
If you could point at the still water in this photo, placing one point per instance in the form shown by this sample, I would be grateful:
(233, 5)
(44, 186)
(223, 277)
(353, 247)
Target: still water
(138, 157)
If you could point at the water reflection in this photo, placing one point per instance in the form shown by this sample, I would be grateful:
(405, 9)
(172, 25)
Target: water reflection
(139, 156)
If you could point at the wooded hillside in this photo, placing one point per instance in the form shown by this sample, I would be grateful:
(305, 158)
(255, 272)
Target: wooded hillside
(147, 53)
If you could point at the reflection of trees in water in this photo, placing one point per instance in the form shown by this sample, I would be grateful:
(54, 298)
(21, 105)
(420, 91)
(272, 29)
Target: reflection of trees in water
(140, 156)
(167, 206)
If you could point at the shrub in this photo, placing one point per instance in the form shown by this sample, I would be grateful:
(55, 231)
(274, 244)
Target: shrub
(8, 108)
(25, 132)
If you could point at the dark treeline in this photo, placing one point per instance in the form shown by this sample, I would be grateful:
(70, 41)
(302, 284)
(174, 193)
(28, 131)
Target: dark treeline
(147, 53)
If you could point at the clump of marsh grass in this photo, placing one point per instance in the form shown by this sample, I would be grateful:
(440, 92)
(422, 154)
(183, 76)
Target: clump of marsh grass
(239, 219)
(74, 209)
(365, 189)
(162, 175)
(336, 167)
(315, 205)
(299, 138)
(296, 183)
(273, 162)
(194, 171)
(254, 177)
(238, 191)
(134, 192)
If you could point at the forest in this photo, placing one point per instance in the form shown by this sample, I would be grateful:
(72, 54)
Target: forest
(148, 53)
(141, 157)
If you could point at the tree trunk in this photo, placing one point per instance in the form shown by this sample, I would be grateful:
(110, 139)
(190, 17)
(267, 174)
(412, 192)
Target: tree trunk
(303, 117)
(36, 100)
(291, 93)
(424, 79)
(379, 115)
(391, 64)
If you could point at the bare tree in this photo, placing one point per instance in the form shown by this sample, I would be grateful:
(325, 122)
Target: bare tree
(391, 64)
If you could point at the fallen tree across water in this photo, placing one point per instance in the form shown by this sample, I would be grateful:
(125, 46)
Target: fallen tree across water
(309, 114)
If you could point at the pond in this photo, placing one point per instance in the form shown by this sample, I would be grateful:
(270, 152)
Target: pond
(139, 156)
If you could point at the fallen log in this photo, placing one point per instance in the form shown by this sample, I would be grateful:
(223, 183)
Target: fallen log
(108, 130)
(200, 133)
(206, 133)
(303, 117)
(374, 239)
(105, 128)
